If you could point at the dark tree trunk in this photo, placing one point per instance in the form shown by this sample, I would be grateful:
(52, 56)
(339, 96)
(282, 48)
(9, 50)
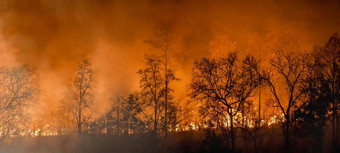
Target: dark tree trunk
(155, 120)
(232, 133)
(287, 134)
(79, 120)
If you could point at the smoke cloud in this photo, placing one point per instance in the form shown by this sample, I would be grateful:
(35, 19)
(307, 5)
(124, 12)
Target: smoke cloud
(54, 35)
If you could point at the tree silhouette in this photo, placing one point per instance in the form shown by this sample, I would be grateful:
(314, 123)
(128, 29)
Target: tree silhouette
(124, 118)
(81, 92)
(131, 111)
(312, 115)
(151, 83)
(18, 87)
(153, 89)
(290, 69)
(330, 60)
(225, 84)
(163, 39)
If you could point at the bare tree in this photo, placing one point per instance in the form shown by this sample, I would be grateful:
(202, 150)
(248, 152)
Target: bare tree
(225, 83)
(154, 89)
(163, 39)
(290, 68)
(81, 94)
(18, 87)
(152, 85)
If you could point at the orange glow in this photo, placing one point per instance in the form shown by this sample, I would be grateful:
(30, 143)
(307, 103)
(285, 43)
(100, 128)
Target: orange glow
(52, 37)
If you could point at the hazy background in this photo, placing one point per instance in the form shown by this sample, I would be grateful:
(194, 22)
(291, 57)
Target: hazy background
(54, 35)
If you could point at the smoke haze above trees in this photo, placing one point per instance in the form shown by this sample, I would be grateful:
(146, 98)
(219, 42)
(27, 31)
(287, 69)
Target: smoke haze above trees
(54, 36)
(161, 69)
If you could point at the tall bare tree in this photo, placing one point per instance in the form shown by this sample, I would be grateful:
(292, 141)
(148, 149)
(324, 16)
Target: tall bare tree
(163, 39)
(290, 68)
(154, 88)
(225, 82)
(81, 92)
(152, 85)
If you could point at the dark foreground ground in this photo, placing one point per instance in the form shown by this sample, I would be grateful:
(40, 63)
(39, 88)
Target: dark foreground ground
(183, 142)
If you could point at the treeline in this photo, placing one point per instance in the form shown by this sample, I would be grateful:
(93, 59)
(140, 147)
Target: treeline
(303, 88)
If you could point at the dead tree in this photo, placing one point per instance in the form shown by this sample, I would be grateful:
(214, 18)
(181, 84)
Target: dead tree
(151, 83)
(18, 87)
(289, 69)
(163, 39)
(227, 82)
(80, 93)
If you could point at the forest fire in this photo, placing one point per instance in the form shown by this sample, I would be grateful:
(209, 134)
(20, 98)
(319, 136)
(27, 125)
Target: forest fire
(169, 76)
(272, 120)
(37, 132)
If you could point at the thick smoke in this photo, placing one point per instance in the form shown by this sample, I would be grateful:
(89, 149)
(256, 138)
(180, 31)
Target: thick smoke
(55, 35)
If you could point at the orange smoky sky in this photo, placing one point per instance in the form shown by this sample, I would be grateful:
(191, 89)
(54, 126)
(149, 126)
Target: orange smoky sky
(54, 35)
